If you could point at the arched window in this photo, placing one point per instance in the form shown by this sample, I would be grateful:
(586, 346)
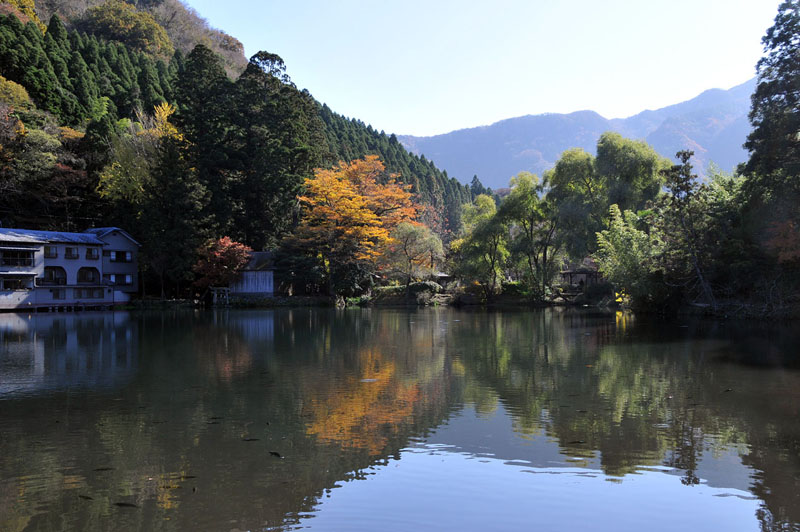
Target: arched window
(88, 275)
(54, 275)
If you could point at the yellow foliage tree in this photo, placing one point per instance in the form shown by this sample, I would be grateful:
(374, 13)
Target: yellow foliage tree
(350, 211)
(14, 94)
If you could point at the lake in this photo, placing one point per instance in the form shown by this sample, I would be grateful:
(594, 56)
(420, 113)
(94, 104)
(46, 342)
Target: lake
(367, 419)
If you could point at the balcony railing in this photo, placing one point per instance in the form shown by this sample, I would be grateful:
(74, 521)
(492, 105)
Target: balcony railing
(58, 281)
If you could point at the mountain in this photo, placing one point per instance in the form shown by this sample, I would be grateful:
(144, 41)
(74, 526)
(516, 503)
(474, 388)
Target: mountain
(713, 124)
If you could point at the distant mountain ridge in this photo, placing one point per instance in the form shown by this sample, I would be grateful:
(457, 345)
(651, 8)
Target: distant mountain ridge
(714, 125)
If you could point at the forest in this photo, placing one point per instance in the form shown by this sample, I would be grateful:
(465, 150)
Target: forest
(113, 114)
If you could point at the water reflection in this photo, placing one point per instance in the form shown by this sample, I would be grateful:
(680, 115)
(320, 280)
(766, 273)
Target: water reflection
(394, 420)
(59, 351)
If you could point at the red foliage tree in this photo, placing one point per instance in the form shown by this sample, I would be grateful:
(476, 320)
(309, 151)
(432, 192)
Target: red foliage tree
(220, 262)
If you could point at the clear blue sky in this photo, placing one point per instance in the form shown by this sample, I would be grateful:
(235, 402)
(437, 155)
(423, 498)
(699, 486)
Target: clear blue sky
(424, 67)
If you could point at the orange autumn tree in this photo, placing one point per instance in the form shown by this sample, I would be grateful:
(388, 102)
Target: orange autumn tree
(350, 210)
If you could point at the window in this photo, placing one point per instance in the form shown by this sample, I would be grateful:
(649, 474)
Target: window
(106, 253)
(50, 252)
(88, 276)
(16, 257)
(15, 283)
(53, 275)
(121, 256)
(92, 253)
(118, 279)
(71, 253)
(88, 293)
(59, 293)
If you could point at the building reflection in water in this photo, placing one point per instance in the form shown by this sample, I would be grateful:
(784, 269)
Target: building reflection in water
(48, 352)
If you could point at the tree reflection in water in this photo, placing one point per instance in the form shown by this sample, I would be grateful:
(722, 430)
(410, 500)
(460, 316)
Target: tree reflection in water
(254, 416)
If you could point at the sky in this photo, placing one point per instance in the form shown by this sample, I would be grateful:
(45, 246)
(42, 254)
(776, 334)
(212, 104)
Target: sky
(429, 67)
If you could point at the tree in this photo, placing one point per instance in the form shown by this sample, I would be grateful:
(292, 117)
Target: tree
(579, 198)
(120, 21)
(220, 262)
(204, 117)
(349, 213)
(482, 251)
(772, 185)
(625, 172)
(134, 154)
(775, 113)
(625, 255)
(412, 252)
(687, 229)
(174, 210)
(533, 230)
(276, 142)
(630, 170)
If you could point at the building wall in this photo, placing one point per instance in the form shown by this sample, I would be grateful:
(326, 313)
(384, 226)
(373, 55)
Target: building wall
(116, 242)
(72, 293)
(254, 282)
(71, 266)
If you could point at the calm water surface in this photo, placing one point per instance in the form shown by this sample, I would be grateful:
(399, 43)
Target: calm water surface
(435, 419)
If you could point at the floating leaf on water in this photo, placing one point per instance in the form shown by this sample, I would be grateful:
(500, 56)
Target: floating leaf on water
(250, 439)
(85, 497)
(575, 442)
(104, 469)
(369, 380)
(125, 505)
(276, 454)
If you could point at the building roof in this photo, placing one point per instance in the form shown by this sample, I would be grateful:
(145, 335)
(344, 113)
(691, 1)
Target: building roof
(32, 236)
(103, 231)
(260, 261)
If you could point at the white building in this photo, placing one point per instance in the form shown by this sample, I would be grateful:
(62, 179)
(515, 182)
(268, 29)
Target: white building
(50, 269)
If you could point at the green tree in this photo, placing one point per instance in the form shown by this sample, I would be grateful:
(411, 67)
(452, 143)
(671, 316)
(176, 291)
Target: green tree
(625, 172)
(482, 252)
(625, 255)
(775, 113)
(686, 226)
(533, 230)
(580, 200)
(629, 169)
(204, 117)
(276, 143)
(176, 225)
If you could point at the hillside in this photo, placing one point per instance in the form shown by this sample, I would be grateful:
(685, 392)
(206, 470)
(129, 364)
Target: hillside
(714, 125)
(184, 26)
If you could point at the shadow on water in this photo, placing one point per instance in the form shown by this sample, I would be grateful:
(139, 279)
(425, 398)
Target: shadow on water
(248, 419)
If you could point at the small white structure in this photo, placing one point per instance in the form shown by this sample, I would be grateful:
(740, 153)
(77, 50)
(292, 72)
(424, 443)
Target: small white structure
(256, 279)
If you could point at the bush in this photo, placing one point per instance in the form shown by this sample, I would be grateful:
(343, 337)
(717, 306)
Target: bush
(515, 288)
(424, 286)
